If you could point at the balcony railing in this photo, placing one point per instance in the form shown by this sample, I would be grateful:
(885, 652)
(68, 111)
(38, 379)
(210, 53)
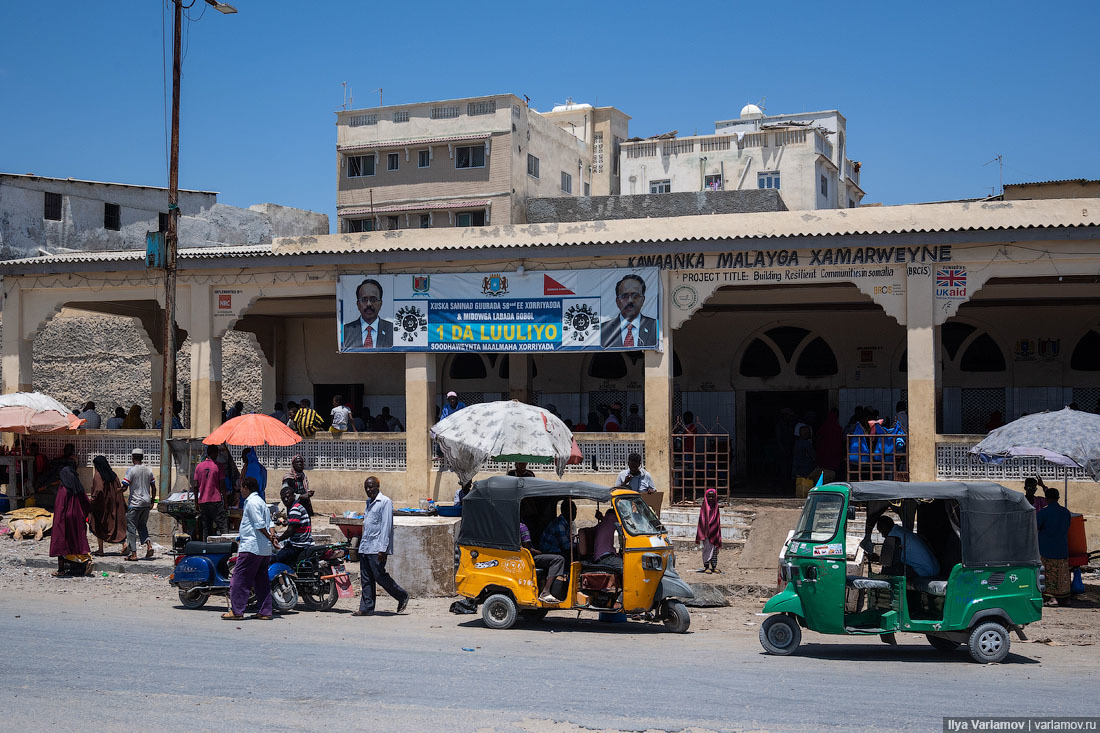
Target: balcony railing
(954, 461)
(603, 453)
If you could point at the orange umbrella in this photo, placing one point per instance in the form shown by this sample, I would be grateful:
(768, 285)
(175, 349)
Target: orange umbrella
(253, 429)
(575, 455)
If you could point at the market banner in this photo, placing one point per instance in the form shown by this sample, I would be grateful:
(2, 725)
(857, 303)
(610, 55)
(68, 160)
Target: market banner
(557, 310)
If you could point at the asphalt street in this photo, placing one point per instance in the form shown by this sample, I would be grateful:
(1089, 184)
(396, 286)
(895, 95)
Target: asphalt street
(111, 662)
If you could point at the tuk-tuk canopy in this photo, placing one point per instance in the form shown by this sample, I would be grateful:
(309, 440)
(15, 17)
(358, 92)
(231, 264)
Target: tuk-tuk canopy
(997, 524)
(490, 512)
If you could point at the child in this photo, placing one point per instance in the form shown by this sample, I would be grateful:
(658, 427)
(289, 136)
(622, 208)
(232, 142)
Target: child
(709, 532)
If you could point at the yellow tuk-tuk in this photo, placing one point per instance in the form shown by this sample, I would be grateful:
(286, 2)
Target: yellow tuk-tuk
(498, 572)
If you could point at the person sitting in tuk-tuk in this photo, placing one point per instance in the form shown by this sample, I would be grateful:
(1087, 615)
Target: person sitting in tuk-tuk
(915, 552)
(554, 565)
(603, 541)
(558, 535)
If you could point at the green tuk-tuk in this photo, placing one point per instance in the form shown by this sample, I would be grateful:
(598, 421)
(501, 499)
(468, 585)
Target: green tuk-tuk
(974, 542)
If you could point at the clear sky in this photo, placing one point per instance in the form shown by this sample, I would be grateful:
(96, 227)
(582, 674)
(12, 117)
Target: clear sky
(931, 90)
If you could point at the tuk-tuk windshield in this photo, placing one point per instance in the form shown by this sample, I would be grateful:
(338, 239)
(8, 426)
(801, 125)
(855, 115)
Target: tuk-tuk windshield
(820, 518)
(636, 516)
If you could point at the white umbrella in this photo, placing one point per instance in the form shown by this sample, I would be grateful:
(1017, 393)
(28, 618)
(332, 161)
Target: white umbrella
(502, 431)
(34, 412)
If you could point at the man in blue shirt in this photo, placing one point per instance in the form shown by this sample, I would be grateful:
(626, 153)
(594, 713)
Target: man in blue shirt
(375, 547)
(253, 556)
(451, 405)
(1053, 523)
(557, 538)
(915, 552)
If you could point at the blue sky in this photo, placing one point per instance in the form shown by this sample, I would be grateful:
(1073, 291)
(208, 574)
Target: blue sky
(931, 90)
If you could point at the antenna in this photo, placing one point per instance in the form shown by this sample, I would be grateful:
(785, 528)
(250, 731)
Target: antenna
(761, 105)
(344, 84)
(1001, 170)
(379, 90)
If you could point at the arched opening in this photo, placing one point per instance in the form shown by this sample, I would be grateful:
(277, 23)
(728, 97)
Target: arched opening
(982, 355)
(816, 360)
(1086, 355)
(759, 361)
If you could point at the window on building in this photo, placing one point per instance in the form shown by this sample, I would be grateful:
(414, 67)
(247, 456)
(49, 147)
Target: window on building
(471, 156)
(816, 360)
(597, 152)
(52, 207)
(759, 361)
(423, 159)
(360, 165)
(607, 366)
(532, 166)
(767, 179)
(851, 204)
(467, 366)
(664, 186)
(566, 182)
(361, 120)
(470, 219)
(587, 189)
(1086, 355)
(713, 183)
(824, 186)
(393, 222)
(359, 225)
(402, 116)
(425, 221)
(112, 217)
(444, 113)
(162, 222)
(982, 355)
(484, 107)
(393, 161)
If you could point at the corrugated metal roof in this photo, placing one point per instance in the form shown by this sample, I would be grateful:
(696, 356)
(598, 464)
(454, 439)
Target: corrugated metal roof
(424, 206)
(412, 143)
(879, 220)
(1044, 183)
(32, 176)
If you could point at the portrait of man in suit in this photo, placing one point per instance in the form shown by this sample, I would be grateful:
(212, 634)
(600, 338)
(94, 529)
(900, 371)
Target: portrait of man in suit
(368, 331)
(629, 328)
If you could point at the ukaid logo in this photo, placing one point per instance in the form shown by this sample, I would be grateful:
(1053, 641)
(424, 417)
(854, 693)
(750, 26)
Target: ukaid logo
(951, 282)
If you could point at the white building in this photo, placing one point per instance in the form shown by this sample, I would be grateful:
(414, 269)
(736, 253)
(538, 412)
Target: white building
(41, 215)
(468, 162)
(803, 155)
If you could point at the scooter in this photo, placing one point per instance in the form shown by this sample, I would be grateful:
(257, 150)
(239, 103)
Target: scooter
(320, 577)
(202, 570)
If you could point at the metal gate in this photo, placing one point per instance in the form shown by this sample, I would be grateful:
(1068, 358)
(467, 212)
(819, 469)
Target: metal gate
(701, 460)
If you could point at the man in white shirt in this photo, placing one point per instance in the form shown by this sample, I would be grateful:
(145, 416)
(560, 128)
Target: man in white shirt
(90, 416)
(254, 552)
(376, 546)
(143, 486)
(635, 477)
(341, 416)
(368, 331)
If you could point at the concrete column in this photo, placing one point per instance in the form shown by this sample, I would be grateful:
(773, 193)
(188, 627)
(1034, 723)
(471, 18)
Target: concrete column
(156, 384)
(519, 377)
(658, 403)
(17, 350)
(206, 364)
(923, 376)
(420, 397)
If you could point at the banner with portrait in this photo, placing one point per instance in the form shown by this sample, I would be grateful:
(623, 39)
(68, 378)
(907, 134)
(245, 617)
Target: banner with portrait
(554, 310)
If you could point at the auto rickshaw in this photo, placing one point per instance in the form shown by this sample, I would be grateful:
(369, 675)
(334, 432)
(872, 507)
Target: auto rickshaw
(983, 536)
(498, 572)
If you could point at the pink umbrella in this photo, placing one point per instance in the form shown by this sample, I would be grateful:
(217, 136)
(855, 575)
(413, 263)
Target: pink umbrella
(34, 412)
(575, 455)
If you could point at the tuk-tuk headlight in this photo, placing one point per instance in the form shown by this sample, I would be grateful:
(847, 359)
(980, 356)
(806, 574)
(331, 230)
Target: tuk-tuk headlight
(788, 572)
(652, 561)
(1041, 581)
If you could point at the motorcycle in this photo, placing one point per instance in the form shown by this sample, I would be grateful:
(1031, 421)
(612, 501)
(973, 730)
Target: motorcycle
(202, 570)
(319, 576)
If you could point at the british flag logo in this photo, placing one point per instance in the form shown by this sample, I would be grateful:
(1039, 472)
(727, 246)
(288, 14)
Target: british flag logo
(951, 282)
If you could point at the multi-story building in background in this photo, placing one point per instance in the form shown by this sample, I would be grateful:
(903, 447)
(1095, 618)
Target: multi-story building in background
(804, 156)
(468, 162)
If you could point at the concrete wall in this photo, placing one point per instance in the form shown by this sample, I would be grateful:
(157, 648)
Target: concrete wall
(599, 208)
(1052, 190)
(287, 221)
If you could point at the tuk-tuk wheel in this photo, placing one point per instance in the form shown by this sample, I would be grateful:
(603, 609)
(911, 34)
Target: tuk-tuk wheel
(499, 611)
(942, 644)
(988, 643)
(780, 635)
(677, 618)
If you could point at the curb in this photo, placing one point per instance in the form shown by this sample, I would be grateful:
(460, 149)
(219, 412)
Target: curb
(99, 565)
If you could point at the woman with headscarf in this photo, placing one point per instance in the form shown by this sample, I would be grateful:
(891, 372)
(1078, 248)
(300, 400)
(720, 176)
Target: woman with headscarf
(133, 419)
(108, 522)
(296, 479)
(229, 471)
(708, 533)
(253, 468)
(69, 536)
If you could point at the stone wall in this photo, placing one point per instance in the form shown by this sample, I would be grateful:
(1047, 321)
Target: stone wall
(106, 359)
(642, 206)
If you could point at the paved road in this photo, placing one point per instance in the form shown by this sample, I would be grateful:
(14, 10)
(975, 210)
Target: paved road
(106, 663)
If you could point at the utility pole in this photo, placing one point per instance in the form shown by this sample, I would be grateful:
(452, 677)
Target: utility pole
(171, 245)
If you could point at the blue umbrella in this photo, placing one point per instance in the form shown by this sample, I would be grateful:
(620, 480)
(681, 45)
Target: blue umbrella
(1067, 438)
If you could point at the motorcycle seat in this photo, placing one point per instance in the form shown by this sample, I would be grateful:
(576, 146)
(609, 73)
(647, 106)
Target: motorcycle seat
(208, 548)
(931, 586)
(868, 583)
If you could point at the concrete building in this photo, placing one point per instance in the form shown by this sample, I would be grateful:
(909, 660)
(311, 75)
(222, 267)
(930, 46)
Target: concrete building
(804, 156)
(1074, 188)
(468, 162)
(40, 215)
(974, 312)
(645, 206)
